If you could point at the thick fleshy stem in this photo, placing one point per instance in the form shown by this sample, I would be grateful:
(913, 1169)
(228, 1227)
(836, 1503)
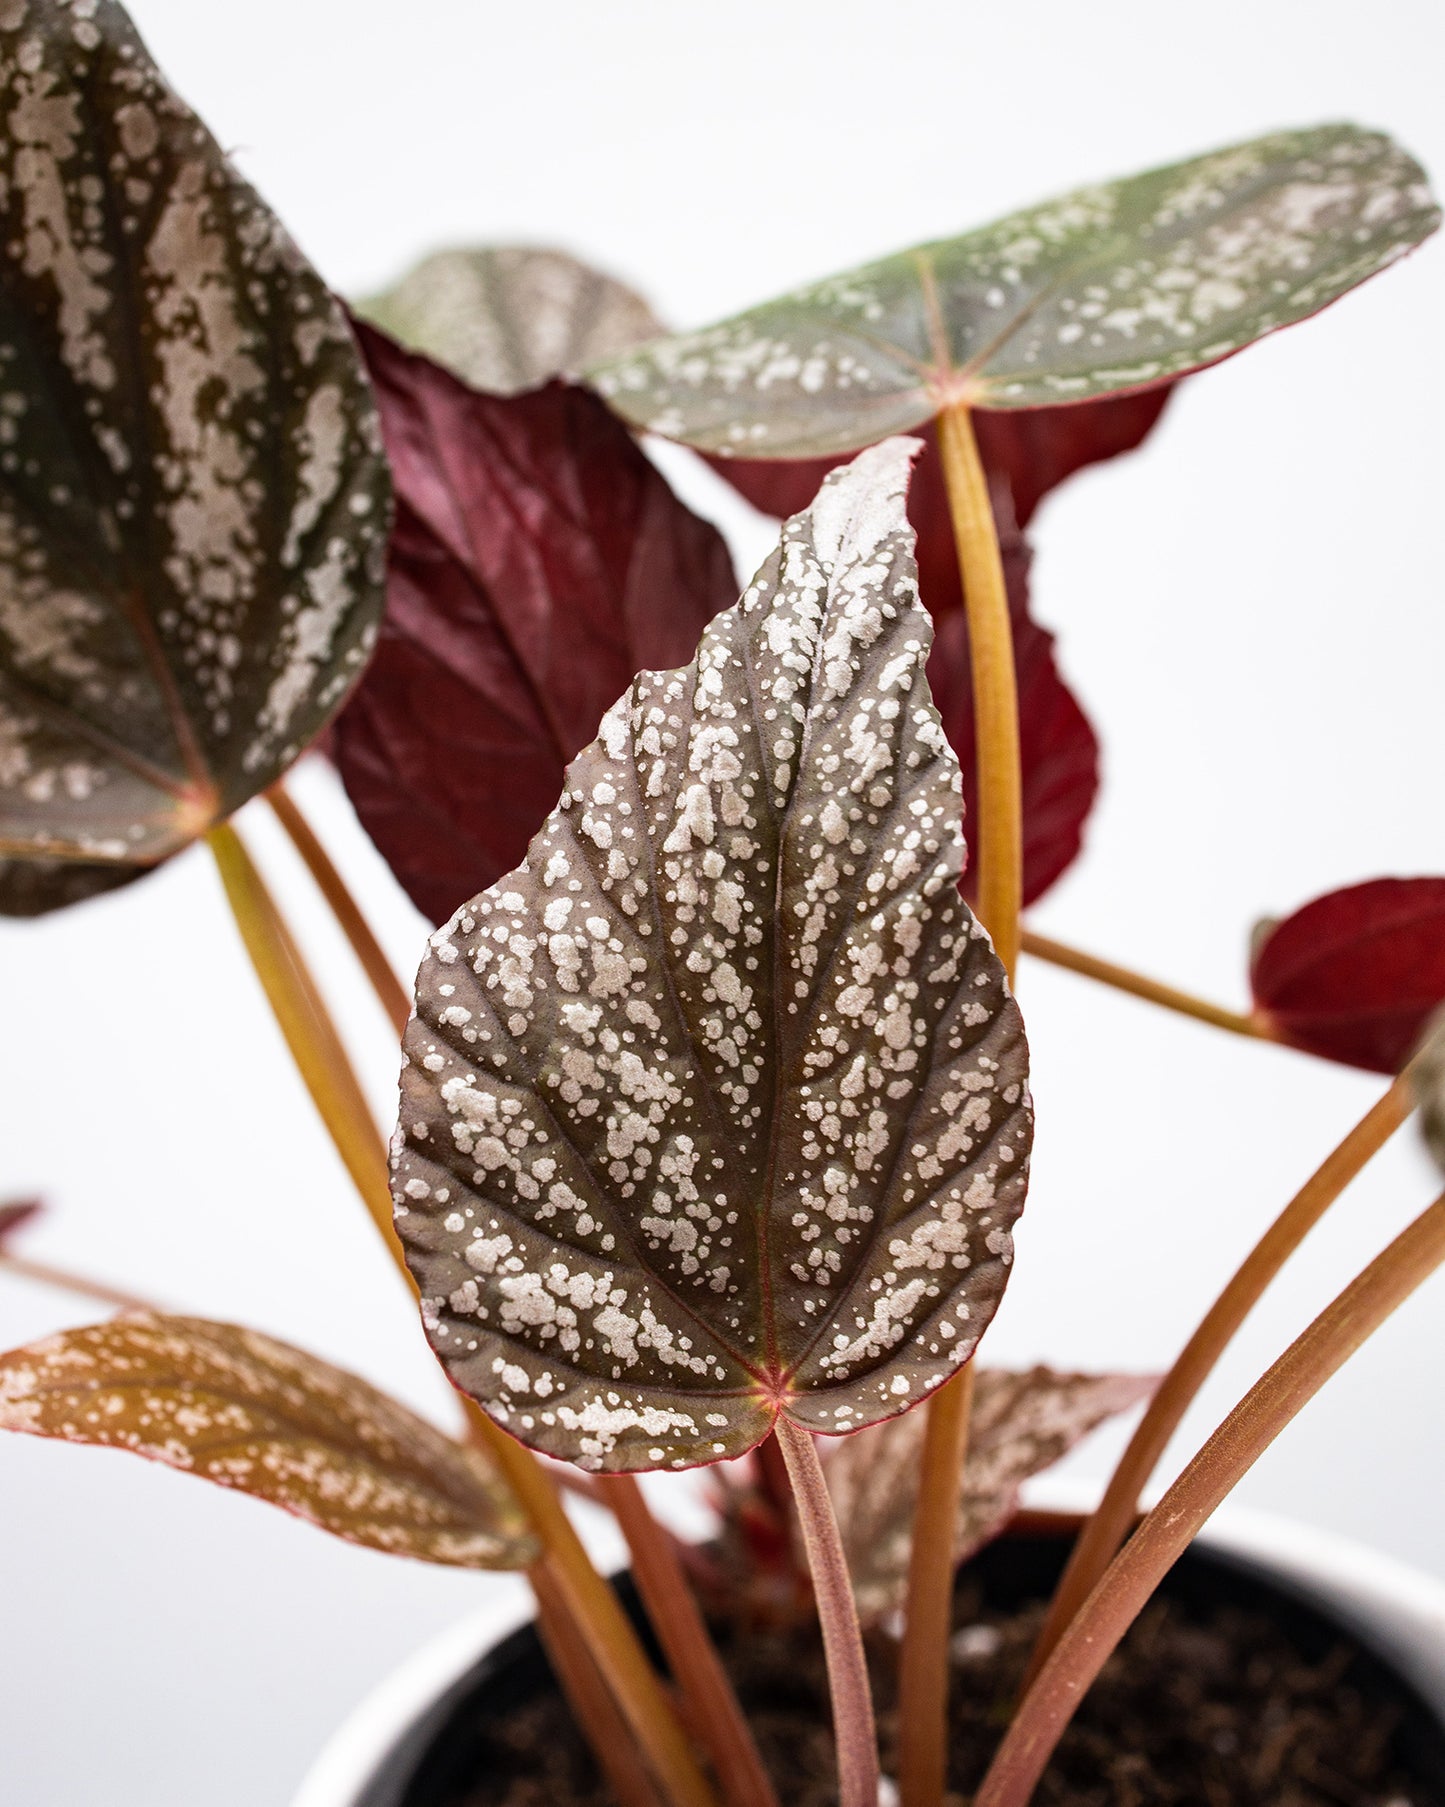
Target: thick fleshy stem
(854, 1730)
(998, 861)
(1167, 1531)
(331, 1080)
(922, 1679)
(708, 1699)
(390, 992)
(1107, 1528)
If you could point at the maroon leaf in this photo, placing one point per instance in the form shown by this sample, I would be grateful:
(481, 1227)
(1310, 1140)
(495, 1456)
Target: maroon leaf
(1028, 454)
(1032, 449)
(538, 562)
(14, 1212)
(1354, 976)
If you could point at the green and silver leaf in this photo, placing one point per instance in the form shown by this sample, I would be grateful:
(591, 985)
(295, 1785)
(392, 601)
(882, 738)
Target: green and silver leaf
(509, 317)
(717, 1107)
(1110, 288)
(193, 495)
(247, 1412)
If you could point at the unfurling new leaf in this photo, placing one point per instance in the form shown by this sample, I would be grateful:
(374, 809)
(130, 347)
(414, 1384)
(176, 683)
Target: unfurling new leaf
(508, 317)
(1111, 288)
(716, 1108)
(539, 560)
(1022, 1423)
(239, 1409)
(193, 498)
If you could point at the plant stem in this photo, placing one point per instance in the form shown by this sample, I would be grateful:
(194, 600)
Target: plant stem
(1106, 1529)
(707, 1695)
(590, 1698)
(922, 1677)
(1120, 977)
(853, 1726)
(310, 1034)
(78, 1284)
(322, 1060)
(390, 992)
(998, 850)
(1163, 1536)
(998, 855)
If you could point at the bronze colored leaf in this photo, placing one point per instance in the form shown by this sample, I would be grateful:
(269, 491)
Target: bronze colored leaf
(716, 1108)
(509, 317)
(1121, 286)
(1022, 1423)
(239, 1409)
(193, 497)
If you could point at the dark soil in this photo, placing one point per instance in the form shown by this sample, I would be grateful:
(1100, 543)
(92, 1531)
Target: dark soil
(1223, 1695)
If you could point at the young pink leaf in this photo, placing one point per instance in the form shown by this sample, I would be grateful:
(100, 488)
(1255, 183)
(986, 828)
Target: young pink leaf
(244, 1411)
(716, 1108)
(1060, 754)
(193, 498)
(1022, 1423)
(538, 561)
(1355, 975)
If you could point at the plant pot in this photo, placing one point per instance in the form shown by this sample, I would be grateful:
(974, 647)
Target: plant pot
(1305, 1576)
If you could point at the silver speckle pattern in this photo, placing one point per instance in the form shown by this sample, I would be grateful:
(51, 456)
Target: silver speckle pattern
(193, 497)
(1110, 288)
(717, 1106)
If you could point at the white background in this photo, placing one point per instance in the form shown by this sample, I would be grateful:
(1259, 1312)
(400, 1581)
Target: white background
(1251, 611)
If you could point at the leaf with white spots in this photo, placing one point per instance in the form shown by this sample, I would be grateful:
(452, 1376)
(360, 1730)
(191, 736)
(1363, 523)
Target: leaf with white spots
(508, 317)
(193, 497)
(1022, 1423)
(246, 1412)
(716, 1108)
(1116, 287)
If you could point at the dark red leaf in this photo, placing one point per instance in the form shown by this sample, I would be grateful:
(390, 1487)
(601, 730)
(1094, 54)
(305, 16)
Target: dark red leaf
(538, 562)
(1354, 976)
(17, 1211)
(1032, 449)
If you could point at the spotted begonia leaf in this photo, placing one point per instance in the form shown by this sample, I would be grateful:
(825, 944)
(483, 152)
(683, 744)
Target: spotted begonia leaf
(247, 1412)
(539, 560)
(193, 497)
(1021, 1424)
(1427, 1075)
(1109, 288)
(1058, 749)
(508, 317)
(716, 1108)
(1355, 975)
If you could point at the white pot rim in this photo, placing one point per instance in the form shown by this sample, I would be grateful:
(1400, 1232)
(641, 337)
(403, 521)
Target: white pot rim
(1396, 1610)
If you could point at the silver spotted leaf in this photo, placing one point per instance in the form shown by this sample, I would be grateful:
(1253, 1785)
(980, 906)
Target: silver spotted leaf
(193, 496)
(508, 317)
(35, 887)
(246, 1412)
(1111, 288)
(1022, 1423)
(716, 1108)
(1427, 1080)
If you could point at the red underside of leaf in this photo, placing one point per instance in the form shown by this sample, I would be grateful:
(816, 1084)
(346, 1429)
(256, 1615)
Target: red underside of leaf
(1354, 976)
(538, 562)
(1027, 455)
(14, 1212)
